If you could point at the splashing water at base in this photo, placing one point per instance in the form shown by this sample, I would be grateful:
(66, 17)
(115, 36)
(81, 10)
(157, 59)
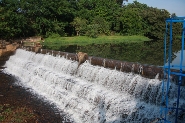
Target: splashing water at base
(93, 94)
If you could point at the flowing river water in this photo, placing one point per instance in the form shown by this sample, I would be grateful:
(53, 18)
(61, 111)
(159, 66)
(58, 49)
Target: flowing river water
(91, 94)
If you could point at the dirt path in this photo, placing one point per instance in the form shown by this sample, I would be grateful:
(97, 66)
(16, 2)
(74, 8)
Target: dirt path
(20, 106)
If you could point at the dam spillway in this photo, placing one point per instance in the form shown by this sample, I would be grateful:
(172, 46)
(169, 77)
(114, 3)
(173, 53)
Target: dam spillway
(91, 94)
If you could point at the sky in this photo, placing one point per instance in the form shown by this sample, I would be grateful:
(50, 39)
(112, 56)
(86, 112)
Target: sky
(173, 6)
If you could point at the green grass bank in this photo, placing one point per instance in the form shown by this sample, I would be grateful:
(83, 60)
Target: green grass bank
(55, 42)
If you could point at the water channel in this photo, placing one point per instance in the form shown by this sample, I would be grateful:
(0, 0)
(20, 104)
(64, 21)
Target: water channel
(148, 52)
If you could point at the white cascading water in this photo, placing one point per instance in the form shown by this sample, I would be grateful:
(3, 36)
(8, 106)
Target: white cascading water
(93, 94)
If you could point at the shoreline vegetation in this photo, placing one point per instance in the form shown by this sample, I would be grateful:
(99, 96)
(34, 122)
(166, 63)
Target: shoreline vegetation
(55, 42)
(84, 40)
(82, 18)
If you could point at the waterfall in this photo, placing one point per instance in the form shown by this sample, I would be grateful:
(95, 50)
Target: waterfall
(91, 94)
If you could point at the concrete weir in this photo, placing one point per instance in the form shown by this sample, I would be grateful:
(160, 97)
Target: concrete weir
(149, 71)
(97, 92)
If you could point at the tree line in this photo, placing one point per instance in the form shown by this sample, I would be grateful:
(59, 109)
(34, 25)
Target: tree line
(24, 18)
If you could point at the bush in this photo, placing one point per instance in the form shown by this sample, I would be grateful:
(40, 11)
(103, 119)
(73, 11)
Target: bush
(92, 31)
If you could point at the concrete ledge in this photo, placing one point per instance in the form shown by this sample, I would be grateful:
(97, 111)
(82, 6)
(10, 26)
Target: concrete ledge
(149, 71)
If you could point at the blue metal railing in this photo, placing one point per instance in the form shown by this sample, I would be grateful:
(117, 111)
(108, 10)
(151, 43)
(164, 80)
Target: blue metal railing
(167, 70)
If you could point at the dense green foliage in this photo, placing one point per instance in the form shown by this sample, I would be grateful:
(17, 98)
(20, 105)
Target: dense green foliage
(23, 18)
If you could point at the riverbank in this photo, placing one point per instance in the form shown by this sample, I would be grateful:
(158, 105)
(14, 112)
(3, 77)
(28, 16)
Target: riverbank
(55, 42)
(18, 105)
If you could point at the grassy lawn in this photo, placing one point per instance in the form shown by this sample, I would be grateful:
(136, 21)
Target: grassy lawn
(55, 42)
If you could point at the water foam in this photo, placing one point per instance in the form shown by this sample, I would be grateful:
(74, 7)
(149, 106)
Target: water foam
(93, 94)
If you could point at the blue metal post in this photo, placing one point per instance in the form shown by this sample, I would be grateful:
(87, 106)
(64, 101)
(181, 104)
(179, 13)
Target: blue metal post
(169, 61)
(180, 78)
(166, 32)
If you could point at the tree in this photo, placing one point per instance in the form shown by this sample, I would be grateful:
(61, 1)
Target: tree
(131, 22)
(12, 19)
(102, 25)
(23, 18)
(92, 30)
(156, 24)
(79, 25)
(140, 19)
(33, 17)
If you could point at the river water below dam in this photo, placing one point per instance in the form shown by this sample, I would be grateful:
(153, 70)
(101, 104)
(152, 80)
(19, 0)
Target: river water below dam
(91, 94)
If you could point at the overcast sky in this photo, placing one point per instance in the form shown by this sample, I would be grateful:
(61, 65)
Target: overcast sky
(173, 6)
